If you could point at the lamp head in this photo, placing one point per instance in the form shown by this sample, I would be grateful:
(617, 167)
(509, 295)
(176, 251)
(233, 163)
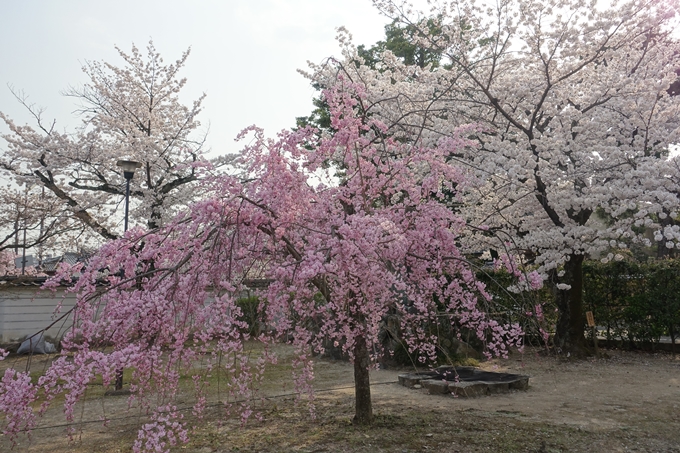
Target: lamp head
(129, 167)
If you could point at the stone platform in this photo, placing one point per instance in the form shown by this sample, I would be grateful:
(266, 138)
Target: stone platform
(464, 381)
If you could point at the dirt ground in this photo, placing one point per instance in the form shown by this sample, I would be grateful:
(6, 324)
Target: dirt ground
(624, 402)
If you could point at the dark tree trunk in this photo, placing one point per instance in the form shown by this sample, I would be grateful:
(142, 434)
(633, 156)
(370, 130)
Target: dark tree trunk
(569, 335)
(362, 384)
(671, 331)
(119, 379)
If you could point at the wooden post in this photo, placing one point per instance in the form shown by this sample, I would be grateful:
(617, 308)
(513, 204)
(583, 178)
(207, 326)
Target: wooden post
(591, 323)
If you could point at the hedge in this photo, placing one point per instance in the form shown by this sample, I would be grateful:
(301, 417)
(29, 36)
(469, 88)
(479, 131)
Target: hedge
(634, 302)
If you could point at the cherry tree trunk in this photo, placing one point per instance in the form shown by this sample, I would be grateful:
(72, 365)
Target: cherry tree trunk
(569, 335)
(362, 385)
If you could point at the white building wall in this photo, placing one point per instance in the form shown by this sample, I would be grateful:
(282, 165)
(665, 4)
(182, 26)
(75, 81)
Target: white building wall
(25, 310)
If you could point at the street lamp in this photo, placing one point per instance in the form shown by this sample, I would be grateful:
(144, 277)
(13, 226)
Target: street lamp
(129, 167)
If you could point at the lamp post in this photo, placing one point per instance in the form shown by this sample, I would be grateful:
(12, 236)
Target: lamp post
(129, 167)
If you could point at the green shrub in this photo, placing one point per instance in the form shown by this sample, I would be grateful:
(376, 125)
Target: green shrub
(250, 314)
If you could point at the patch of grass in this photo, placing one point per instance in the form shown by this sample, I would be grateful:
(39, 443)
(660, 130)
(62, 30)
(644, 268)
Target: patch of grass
(466, 361)
(395, 429)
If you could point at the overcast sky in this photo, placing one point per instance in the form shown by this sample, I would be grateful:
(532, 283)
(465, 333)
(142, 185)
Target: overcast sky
(244, 53)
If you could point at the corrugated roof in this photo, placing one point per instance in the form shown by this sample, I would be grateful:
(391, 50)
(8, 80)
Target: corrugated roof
(22, 280)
